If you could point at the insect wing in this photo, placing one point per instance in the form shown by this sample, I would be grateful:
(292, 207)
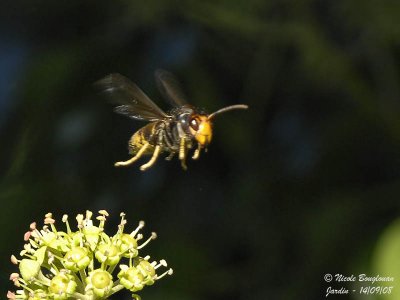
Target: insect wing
(134, 103)
(170, 88)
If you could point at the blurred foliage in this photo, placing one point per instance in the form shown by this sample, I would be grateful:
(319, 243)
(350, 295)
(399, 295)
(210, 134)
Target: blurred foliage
(386, 258)
(302, 184)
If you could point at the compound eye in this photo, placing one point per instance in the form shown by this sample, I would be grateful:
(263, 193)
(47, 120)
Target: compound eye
(194, 124)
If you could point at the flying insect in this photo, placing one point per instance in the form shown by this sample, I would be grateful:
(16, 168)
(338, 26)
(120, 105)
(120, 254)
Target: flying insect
(183, 128)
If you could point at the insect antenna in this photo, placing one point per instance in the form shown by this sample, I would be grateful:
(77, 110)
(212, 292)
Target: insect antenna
(228, 108)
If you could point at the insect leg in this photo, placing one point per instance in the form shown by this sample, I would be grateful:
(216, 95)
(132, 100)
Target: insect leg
(133, 159)
(170, 156)
(155, 153)
(152, 159)
(196, 153)
(167, 139)
(182, 153)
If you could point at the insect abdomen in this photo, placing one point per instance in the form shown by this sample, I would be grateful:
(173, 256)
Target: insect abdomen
(145, 135)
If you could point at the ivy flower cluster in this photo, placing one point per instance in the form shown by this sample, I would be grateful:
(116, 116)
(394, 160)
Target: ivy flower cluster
(86, 264)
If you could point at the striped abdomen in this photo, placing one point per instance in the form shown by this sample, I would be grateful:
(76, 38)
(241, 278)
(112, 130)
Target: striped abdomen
(163, 133)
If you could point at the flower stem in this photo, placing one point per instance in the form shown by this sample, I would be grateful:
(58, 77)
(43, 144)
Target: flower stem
(83, 276)
(116, 288)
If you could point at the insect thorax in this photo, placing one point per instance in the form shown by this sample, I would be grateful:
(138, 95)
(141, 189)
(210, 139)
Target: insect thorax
(166, 133)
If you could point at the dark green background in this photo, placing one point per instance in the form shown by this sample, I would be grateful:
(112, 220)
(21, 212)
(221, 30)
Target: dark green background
(301, 184)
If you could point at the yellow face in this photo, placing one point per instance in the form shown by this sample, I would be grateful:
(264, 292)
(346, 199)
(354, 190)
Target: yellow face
(201, 129)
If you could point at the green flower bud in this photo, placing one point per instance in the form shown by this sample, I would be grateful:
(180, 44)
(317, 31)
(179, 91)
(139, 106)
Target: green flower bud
(131, 278)
(108, 253)
(48, 237)
(29, 269)
(62, 286)
(77, 259)
(127, 245)
(147, 270)
(100, 282)
(51, 240)
(77, 238)
(92, 234)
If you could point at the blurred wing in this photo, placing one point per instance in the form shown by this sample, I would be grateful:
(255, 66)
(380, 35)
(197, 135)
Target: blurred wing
(170, 88)
(134, 103)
